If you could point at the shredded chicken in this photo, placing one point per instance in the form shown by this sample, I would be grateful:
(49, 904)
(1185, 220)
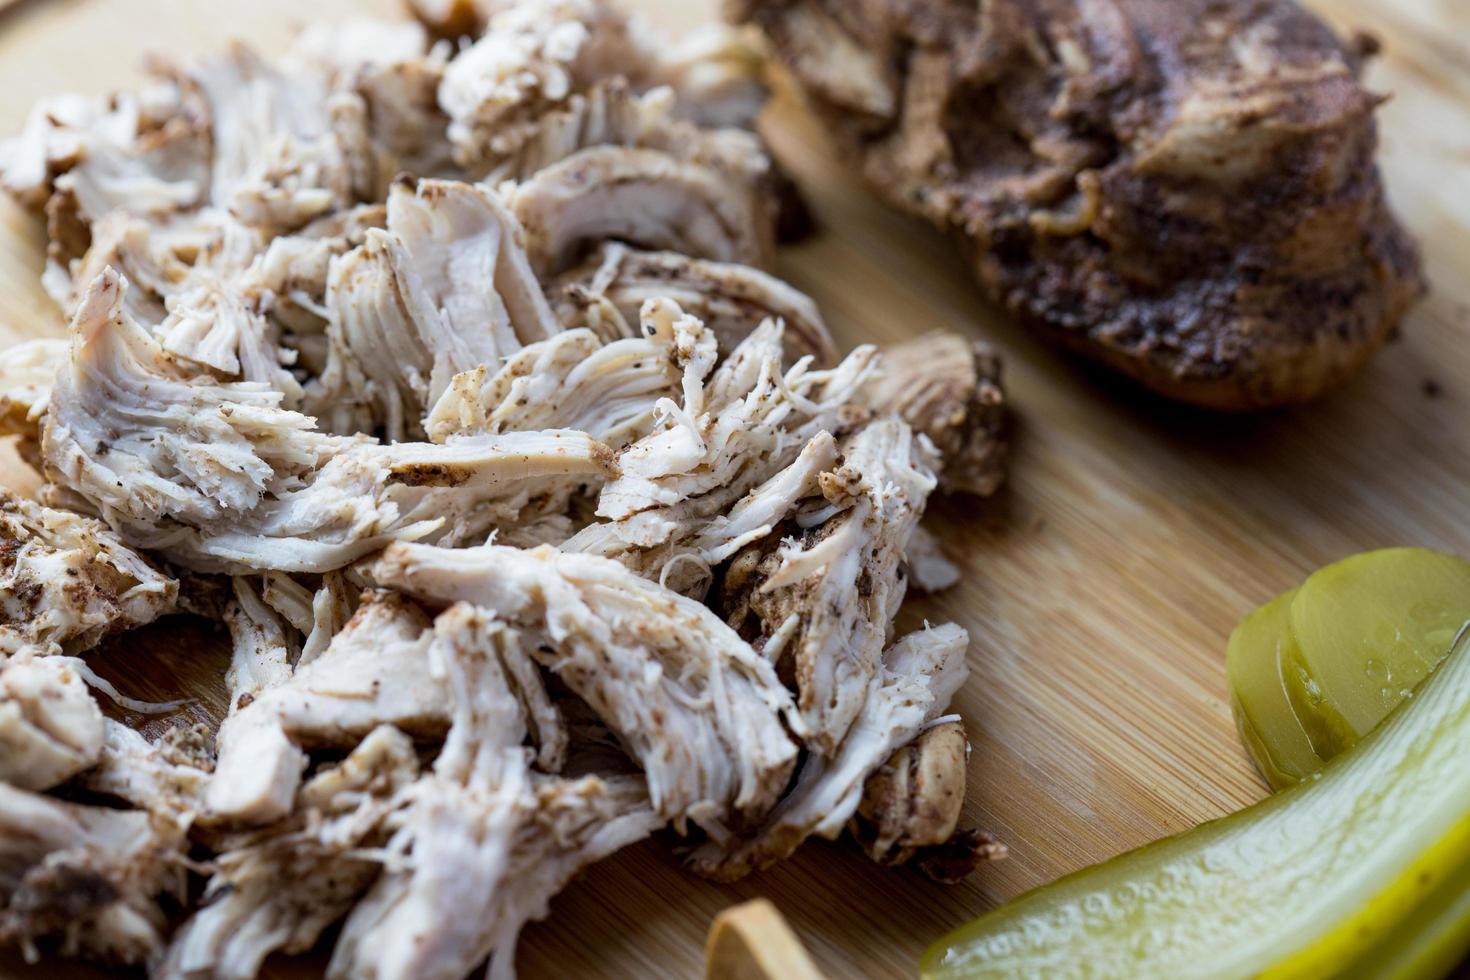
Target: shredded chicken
(222, 477)
(929, 568)
(646, 197)
(25, 391)
(373, 673)
(66, 581)
(89, 877)
(411, 308)
(914, 799)
(277, 889)
(910, 808)
(167, 777)
(606, 293)
(50, 728)
(824, 598)
(729, 466)
(916, 679)
(948, 389)
(575, 381)
(733, 426)
(437, 360)
(485, 831)
(1133, 179)
(703, 718)
(277, 161)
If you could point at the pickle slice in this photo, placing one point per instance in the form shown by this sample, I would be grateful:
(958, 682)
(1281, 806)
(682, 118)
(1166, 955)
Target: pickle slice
(1301, 884)
(1259, 650)
(1368, 629)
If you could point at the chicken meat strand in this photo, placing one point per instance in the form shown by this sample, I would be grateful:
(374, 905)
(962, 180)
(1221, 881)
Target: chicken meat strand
(690, 701)
(607, 292)
(484, 832)
(278, 889)
(573, 380)
(66, 581)
(220, 477)
(50, 727)
(87, 877)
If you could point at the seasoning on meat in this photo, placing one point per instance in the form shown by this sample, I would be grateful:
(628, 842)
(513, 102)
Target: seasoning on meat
(1185, 192)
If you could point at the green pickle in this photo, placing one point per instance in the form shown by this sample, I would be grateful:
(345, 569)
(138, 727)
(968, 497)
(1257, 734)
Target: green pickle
(1261, 650)
(1316, 669)
(1358, 872)
(1368, 629)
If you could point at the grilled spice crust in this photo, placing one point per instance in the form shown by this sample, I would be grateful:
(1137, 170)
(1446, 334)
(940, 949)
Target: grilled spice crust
(1185, 191)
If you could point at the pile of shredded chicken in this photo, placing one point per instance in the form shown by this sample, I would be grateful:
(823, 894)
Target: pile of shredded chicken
(545, 516)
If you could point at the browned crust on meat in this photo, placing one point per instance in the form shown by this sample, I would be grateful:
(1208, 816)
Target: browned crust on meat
(1185, 192)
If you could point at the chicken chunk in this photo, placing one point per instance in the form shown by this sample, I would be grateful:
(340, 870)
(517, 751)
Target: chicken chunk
(167, 777)
(382, 79)
(146, 152)
(929, 568)
(490, 837)
(532, 59)
(220, 478)
(1185, 192)
(277, 160)
(645, 197)
(606, 293)
(213, 323)
(50, 727)
(278, 889)
(917, 678)
(89, 877)
(910, 808)
(703, 718)
(914, 800)
(948, 389)
(410, 307)
(819, 603)
(66, 581)
(375, 672)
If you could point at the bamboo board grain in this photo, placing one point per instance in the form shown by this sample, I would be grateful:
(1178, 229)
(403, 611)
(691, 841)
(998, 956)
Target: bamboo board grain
(1099, 587)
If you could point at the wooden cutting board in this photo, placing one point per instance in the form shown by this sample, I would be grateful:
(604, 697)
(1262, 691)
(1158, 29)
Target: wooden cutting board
(1100, 586)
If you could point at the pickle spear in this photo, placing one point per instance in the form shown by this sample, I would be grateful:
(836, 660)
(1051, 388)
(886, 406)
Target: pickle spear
(1302, 884)
(1259, 649)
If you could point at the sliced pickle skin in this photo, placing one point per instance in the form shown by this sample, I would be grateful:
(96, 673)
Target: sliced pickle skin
(1431, 943)
(1310, 881)
(1259, 652)
(1367, 630)
(1325, 727)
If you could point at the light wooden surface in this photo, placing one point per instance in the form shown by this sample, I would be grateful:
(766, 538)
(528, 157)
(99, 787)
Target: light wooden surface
(1101, 585)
